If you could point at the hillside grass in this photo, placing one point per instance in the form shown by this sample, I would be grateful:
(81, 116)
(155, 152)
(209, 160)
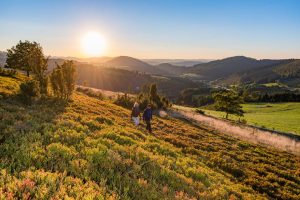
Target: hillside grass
(89, 149)
(10, 85)
(275, 116)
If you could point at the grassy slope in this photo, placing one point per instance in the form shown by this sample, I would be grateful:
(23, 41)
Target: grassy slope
(9, 86)
(90, 147)
(278, 116)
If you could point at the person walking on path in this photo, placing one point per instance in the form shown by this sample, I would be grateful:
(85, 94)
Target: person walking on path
(135, 114)
(147, 117)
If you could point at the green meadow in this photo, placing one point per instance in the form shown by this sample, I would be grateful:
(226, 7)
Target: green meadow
(275, 116)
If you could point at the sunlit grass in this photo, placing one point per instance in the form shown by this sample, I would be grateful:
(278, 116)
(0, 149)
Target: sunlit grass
(275, 116)
(93, 145)
(9, 85)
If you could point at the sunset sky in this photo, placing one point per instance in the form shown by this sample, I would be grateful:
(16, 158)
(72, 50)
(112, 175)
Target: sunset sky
(157, 28)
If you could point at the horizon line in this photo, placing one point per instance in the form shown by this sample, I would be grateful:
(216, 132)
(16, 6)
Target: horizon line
(165, 58)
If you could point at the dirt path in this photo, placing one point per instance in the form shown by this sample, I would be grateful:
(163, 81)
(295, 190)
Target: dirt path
(246, 133)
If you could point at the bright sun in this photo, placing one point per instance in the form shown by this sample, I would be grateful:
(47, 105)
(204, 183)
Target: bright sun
(93, 44)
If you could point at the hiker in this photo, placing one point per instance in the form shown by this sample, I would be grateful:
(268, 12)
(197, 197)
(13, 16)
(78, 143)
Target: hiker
(147, 117)
(135, 113)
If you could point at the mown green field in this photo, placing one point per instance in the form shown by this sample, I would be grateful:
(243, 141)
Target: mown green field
(276, 116)
(88, 148)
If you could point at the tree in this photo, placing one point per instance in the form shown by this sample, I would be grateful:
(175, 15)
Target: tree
(153, 91)
(57, 82)
(63, 79)
(27, 56)
(68, 71)
(39, 65)
(149, 95)
(54, 83)
(229, 102)
(154, 97)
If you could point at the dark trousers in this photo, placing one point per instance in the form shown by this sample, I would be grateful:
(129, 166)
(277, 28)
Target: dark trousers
(148, 125)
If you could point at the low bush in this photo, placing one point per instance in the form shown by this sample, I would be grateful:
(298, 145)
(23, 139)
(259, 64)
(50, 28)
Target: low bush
(29, 90)
(125, 101)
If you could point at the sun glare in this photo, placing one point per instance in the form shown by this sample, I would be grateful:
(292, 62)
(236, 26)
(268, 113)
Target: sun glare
(93, 44)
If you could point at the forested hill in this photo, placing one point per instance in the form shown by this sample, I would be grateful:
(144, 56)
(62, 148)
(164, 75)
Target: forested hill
(88, 148)
(130, 63)
(233, 70)
(128, 81)
(122, 80)
(286, 72)
(223, 68)
(120, 62)
(133, 64)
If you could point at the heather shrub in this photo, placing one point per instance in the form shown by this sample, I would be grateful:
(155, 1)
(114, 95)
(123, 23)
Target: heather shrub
(29, 90)
(40, 184)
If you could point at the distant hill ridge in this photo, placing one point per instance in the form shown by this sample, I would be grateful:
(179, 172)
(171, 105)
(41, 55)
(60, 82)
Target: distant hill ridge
(232, 70)
(228, 66)
(176, 62)
(126, 61)
(285, 71)
(133, 64)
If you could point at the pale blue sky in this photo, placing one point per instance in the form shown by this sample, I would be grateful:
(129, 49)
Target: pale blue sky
(157, 28)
